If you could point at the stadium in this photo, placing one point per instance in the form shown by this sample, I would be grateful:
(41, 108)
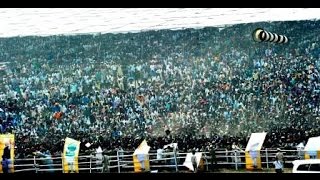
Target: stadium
(196, 91)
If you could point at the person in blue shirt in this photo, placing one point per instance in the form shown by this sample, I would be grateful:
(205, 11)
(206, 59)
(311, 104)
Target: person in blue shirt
(6, 159)
(5, 165)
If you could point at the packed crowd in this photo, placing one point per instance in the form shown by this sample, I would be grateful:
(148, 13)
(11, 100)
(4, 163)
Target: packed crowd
(195, 86)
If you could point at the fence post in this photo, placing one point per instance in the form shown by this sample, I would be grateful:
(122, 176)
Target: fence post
(175, 160)
(236, 159)
(35, 164)
(227, 155)
(118, 160)
(90, 162)
(62, 161)
(267, 160)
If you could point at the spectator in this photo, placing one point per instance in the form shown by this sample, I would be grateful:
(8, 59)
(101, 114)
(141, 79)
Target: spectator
(5, 164)
(278, 166)
(139, 83)
(213, 158)
(106, 163)
(280, 157)
(194, 161)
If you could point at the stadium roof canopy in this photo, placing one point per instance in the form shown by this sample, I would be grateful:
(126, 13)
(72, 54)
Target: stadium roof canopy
(53, 21)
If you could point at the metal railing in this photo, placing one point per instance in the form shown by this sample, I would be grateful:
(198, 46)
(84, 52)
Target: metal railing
(170, 161)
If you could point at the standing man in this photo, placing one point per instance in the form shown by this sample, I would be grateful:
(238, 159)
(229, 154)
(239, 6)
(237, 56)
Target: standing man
(5, 165)
(106, 163)
(213, 157)
(278, 166)
(194, 161)
(159, 155)
(280, 157)
(6, 158)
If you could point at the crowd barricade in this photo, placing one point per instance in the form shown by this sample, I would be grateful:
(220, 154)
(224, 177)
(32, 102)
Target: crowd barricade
(170, 162)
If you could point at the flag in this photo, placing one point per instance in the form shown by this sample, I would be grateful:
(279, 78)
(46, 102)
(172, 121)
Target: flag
(70, 155)
(252, 152)
(187, 163)
(141, 157)
(312, 147)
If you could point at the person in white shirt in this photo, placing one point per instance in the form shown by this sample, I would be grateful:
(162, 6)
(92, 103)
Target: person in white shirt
(194, 161)
(278, 165)
(159, 155)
